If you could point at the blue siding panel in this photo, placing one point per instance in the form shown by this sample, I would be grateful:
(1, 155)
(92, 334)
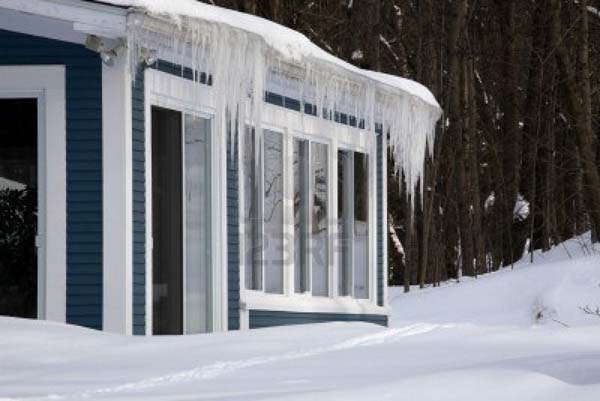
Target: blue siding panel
(139, 204)
(84, 164)
(233, 241)
(262, 319)
(381, 281)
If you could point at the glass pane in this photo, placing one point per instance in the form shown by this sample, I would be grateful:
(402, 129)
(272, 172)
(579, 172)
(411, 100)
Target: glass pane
(301, 186)
(345, 217)
(167, 222)
(18, 207)
(251, 212)
(361, 225)
(320, 232)
(197, 224)
(273, 212)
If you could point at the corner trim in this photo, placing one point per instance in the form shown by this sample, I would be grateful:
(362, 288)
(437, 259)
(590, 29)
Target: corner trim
(117, 265)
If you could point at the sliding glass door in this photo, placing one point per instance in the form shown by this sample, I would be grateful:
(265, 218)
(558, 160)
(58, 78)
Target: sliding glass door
(180, 222)
(197, 224)
(18, 207)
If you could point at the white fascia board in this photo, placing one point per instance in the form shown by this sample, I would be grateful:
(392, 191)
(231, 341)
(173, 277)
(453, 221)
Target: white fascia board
(110, 22)
(36, 25)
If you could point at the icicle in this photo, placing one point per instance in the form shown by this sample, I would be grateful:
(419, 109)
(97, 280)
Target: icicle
(243, 66)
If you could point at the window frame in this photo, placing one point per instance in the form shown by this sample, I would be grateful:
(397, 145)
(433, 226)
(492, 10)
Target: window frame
(296, 125)
(180, 94)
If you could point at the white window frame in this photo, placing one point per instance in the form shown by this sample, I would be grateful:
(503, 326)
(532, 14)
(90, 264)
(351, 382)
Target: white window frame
(298, 125)
(180, 94)
(47, 85)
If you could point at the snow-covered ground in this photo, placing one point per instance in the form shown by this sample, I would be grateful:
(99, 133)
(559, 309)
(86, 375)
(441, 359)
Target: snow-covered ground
(513, 335)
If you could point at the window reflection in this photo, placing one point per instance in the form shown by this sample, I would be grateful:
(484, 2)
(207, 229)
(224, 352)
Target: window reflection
(301, 216)
(319, 229)
(273, 212)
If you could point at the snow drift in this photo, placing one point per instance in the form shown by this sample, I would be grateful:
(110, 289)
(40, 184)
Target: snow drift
(480, 339)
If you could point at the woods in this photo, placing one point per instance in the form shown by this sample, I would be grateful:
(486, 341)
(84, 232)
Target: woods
(515, 166)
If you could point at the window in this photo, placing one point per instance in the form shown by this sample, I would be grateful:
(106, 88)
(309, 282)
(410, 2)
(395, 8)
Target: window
(353, 224)
(273, 212)
(264, 216)
(319, 224)
(345, 208)
(251, 212)
(197, 223)
(263, 211)
(301, 216)
(361, 225)
(181, 227)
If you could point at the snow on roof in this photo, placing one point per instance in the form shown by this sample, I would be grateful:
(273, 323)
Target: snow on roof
(244, 52)
(288, 42)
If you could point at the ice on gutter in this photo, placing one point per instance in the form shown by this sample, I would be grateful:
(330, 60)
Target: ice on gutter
(248, 51)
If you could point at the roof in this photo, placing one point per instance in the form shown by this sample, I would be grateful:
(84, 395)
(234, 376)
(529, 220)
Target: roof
(251, 53)
(290, 44)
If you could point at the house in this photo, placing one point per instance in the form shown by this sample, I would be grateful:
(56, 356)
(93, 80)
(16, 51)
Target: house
(174, 167)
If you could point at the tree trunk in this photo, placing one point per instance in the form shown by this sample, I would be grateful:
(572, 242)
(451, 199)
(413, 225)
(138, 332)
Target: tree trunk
(578, 91)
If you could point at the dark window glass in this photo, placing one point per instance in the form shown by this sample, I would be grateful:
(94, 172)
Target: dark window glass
(320, 232)
(273, 212)
(345, 219)
(361, 225)
(167, 222)
(18, 207)
(301, 216)
(252, 211)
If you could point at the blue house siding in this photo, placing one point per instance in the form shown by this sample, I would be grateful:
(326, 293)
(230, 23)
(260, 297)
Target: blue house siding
(139, 204)
(381, 231)
(262, 319)
(84, 164)
(233, 240)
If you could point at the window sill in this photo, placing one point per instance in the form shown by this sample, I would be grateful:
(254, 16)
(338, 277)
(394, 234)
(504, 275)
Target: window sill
(255, 300)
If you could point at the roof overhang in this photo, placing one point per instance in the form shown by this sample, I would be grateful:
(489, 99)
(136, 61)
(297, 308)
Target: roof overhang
(80, 16)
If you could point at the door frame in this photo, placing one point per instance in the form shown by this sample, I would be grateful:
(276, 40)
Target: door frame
(182, 95)
(47, 84)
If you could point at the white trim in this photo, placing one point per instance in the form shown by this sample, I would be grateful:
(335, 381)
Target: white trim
(288, 212)
(218, 203)
(183, 224)
(47, 84)
(117, 198)
(372, 256)
(165, 90)
(36, 25)
(148, 207)
(256, 300)
(88, 17)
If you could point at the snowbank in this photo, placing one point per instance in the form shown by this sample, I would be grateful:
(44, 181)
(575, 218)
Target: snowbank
(551, 291)
(477, 340)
